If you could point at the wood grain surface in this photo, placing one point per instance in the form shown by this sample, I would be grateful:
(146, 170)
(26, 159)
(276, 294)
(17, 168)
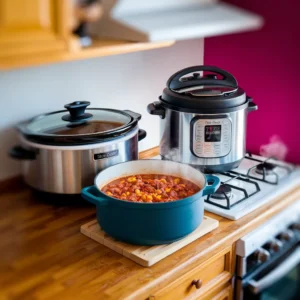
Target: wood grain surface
(44, 255)
(146, 256)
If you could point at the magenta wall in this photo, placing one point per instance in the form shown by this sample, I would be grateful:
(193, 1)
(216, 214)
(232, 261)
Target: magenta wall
(267, 65)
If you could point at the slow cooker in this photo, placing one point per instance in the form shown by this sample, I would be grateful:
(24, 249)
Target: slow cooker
(62, 151)
(203, 115)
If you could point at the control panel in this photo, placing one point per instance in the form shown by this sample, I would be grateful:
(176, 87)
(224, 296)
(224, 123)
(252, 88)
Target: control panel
(211, 137)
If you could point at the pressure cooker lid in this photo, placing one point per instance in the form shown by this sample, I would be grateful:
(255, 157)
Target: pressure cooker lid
(79, 125)
(214, 88)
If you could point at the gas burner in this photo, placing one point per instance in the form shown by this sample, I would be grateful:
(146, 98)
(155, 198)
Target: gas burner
(232, 191)
(223, 192)
(265, 168)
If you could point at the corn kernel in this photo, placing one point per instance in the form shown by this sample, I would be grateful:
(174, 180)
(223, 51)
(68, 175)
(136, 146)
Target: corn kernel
(137, 191)
(109, 194)
(149, 197)
(131, 179)
(176, 180)
(158, 192)
(144, 197)
(163, 180)
(123, 195)
(127, 193)
(122, 181)
(158, 197)
(168, 190)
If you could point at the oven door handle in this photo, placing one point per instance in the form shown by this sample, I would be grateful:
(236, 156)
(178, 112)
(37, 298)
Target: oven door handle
(283, 269)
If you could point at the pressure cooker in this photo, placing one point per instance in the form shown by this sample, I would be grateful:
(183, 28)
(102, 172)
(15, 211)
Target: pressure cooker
(203, 116)
(62, 151)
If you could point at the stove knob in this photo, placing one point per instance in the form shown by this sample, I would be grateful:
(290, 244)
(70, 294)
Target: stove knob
(274, 245)
(295, 226)
(261, 255)
(286, 235)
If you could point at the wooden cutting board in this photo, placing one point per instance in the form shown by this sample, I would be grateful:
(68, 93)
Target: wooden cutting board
(146, 256)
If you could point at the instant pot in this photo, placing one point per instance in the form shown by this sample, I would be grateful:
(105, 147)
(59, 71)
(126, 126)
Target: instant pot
(62, 151)
(203, 115)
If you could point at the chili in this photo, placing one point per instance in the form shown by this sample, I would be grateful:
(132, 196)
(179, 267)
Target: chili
(150, 188)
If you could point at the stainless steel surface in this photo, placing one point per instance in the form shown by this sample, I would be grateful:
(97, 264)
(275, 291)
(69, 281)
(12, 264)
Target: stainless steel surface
(261, 255)
(67, 171)
(176, 143)
(284, 268)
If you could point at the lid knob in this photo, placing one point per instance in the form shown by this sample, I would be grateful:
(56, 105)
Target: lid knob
(77, 111)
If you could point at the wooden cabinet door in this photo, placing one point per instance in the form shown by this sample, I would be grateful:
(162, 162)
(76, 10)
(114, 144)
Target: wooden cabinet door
(33, 26)
(220, 293)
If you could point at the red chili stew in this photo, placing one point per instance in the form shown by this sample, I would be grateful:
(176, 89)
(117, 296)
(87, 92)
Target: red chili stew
(150, 188)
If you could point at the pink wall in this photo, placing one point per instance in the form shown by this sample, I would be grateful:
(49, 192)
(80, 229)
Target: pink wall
(267, 65)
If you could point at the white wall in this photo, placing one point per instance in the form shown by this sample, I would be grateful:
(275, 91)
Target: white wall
(129, 81)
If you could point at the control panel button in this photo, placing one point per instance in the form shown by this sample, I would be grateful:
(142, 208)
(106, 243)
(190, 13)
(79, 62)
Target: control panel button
(286, 235)
(274, 245)
(261, 255)
(295, 226)
(214, 136)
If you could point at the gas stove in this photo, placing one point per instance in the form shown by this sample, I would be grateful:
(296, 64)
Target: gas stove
(255, 182)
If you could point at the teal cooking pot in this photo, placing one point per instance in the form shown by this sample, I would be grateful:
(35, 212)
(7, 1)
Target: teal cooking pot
(150, 223)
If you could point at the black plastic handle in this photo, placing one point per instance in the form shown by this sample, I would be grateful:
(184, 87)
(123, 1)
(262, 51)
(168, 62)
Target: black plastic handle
(77, 111)
(175, 82)
(18, 152)
(133, 114)
(156, 109)
(251, 106)
(141, 134)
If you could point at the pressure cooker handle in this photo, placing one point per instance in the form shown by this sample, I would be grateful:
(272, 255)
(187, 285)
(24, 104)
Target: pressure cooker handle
(18, 152)
(176, 82)
(156, 109)
(251, 105)
(77, 112)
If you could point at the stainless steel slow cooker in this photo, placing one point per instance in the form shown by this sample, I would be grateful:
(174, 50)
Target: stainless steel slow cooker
(62, 151)
(203, 115)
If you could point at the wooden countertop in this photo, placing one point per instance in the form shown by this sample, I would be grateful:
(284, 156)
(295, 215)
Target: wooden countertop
(44, 256)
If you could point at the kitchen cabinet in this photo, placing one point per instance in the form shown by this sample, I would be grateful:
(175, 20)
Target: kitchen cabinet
(204, 281)
(38, 31)
(32, 27)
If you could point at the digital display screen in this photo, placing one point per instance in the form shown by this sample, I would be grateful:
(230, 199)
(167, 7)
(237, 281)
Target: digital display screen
(213, 133)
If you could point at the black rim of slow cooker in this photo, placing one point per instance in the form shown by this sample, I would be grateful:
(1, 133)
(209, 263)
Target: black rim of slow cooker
(82, 139)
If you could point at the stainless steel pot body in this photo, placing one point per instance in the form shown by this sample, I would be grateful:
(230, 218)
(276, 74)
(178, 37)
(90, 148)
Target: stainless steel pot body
(67, 169)
(183, 139)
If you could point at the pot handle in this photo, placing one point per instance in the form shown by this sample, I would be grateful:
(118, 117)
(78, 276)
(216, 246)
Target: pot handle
(133, 114)
(142, 134)
(215, 183)
(18, 152)
(91, 194)
(156, 109)
(252, 106)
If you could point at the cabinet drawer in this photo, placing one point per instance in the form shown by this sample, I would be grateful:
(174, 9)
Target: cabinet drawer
(215, 271)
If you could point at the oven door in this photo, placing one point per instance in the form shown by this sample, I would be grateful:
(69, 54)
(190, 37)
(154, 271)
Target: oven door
(279, 281)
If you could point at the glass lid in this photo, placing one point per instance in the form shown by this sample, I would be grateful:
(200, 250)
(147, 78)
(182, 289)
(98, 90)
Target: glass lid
(79, 123)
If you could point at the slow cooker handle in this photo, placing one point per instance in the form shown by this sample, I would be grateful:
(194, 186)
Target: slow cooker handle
(18, 152)
(133, 114)
(175, 82)
(142, 134)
